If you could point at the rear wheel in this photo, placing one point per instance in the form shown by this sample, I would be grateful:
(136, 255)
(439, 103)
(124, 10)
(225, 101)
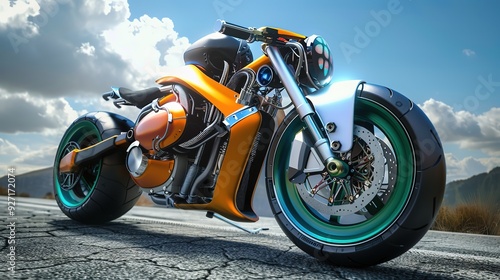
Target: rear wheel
(102, 190)
(383, 206)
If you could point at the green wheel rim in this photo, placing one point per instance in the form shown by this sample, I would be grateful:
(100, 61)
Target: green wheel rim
(74, 189)
(306, 219)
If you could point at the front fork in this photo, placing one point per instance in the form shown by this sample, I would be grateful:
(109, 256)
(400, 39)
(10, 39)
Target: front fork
(334, 166)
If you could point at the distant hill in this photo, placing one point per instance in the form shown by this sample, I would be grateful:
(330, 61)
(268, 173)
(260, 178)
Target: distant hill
(34, 184)
(482, 188)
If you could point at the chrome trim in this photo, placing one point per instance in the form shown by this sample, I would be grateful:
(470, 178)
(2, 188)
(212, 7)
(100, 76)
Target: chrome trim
(136, 162)
(116, 90)
(288, 80)
(304, 109)
(157, 140)
(238, 116)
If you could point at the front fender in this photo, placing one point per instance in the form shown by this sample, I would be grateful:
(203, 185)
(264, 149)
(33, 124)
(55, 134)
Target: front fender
(334, 104)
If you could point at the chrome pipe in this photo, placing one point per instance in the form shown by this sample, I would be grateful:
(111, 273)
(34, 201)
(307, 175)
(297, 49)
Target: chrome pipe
(305, 111)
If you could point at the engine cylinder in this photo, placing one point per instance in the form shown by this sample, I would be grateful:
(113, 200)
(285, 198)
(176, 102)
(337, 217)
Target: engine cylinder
(162, 128)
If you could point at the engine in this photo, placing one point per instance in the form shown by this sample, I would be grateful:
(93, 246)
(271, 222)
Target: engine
(155, 132)
(170, 136)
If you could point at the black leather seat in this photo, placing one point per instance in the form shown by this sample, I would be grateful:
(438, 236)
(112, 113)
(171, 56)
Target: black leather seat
(140, 98)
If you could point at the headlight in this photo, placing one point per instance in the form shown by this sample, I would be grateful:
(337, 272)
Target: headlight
(319, 62)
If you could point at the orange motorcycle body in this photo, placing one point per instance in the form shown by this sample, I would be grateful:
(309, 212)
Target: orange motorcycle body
(246, 149)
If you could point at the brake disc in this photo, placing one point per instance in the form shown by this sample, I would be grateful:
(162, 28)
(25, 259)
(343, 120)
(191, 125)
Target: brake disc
(343, 196)
(390, 161)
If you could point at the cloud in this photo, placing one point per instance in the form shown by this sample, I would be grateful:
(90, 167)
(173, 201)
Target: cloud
(86, 48)
(468, 52)
(25, 158)
(7, 147)
(22, 113)
(458, 169)
(57, 48)
(148, 45)
(42, 157)
(469, 131)
(46, 63)
(14, 15)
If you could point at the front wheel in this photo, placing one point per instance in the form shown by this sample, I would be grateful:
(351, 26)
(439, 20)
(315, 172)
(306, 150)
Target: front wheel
(101, 190)
(387, 201)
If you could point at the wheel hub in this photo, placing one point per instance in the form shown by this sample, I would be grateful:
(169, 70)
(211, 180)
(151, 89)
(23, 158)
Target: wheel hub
(69, 180)
(337, 168)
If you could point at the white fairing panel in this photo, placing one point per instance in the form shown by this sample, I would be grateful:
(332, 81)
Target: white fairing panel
(335, 104)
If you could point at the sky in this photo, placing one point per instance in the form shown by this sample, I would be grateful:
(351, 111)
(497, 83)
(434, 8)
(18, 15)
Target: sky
(58, 56)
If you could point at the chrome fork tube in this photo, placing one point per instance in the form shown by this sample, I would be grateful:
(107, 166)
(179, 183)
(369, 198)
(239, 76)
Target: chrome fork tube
(299, 100)
(306, 112)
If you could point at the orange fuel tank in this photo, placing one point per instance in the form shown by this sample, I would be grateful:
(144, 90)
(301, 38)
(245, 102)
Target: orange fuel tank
(162, 128)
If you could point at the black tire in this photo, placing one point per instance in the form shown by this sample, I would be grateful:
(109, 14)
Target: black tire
(395, 217)
(100, 191)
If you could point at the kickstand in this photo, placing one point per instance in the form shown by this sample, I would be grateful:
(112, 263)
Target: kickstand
(252, 231)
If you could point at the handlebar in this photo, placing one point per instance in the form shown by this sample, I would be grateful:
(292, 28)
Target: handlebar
(268, 35)
(237, 31)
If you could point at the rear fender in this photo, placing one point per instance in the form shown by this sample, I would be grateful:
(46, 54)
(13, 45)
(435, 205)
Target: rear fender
(334, 105)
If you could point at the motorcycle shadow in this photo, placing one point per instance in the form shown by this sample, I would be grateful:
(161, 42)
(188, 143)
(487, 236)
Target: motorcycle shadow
(223, 253)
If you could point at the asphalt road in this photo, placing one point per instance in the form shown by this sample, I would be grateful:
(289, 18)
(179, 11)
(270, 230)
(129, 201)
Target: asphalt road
(156, 243)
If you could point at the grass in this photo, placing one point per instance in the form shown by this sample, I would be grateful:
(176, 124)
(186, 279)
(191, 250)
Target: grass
(4, 191)
(469, 217)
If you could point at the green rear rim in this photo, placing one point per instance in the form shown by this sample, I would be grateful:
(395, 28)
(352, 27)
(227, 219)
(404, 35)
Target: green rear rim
(307, 220)
(73, 189)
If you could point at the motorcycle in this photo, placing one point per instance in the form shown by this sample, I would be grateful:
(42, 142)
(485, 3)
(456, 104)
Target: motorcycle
(354, 172)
